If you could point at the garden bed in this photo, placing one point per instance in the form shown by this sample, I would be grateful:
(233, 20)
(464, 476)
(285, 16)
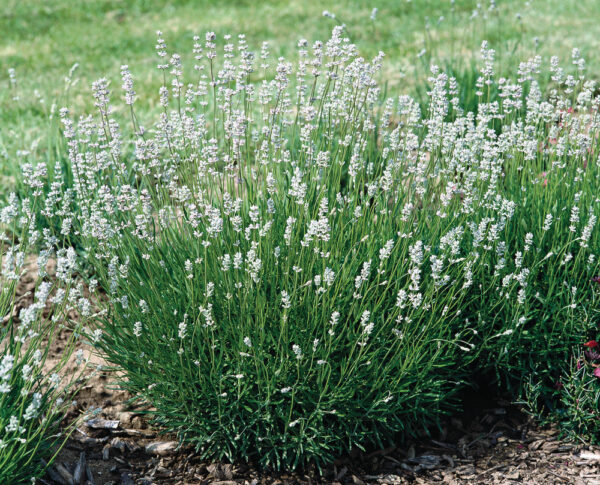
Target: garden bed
(499, 445)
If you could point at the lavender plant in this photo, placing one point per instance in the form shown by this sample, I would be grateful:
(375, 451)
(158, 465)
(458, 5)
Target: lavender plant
(34, 392)
(295, 266)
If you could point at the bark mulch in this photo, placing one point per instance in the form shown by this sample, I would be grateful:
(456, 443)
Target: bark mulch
(499, 445)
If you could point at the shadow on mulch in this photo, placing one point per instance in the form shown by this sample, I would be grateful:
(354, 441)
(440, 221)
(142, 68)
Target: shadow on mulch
(490, 442)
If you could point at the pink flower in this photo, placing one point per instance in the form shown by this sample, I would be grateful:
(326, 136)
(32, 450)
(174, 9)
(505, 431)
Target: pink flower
(597, 371)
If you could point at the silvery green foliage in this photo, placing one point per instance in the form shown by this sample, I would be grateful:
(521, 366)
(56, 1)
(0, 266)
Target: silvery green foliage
(33, 394)
(295, 266)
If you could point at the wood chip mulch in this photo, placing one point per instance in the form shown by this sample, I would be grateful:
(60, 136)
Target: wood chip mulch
(499, 446)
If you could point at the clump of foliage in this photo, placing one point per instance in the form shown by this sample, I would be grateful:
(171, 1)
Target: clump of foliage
(34, 391)
(575, 396)
(295, 266)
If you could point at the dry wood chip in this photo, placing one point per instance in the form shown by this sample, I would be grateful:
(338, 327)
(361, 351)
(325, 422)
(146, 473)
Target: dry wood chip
(99, 423)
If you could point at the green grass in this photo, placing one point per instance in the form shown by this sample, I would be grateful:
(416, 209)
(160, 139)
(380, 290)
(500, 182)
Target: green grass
(42, 40)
